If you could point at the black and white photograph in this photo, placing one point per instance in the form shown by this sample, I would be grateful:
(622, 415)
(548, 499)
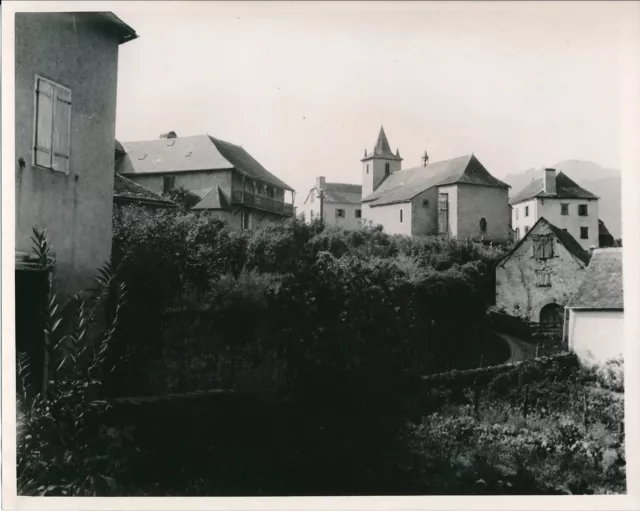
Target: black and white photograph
(320, 249)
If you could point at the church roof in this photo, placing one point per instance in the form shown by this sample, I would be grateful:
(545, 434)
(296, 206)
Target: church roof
(382, 149)
(404, 185)
(566, 188)
(341, 193)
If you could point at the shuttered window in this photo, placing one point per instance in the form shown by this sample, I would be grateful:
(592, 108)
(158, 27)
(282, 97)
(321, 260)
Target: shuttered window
(52, 133)
(543, 279)
(543, 247)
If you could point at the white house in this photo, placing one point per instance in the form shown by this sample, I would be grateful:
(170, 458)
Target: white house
(562, 202)
(594, 324)
(456, 198)
(538, 277)
(340, 204)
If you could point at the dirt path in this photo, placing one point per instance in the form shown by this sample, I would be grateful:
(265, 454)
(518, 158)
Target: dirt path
(520, 350)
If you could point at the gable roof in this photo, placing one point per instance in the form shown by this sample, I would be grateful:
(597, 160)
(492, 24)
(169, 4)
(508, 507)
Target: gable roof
(126, 191)
(565, 239)
(382, 149)
(566, 188)
(602, 285)
(404, 185)
(342, 193)
(189, 154)
(215, 199)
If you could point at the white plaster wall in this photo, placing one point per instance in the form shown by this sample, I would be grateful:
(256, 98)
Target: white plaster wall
(519, 221)
(596, 336)
(551, 210)
(389, 217)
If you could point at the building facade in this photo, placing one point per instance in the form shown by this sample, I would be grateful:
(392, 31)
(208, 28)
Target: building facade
(65, 109)
(339, 203)
(538, 277)
(595, 320)
(456, 198)
(232, 184)
(562, 202)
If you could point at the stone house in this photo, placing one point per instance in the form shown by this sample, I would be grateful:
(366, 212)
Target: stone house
(65, 111)
(536, 279)
(455, 198)
(595, 321)
(562, 202)
(232, 184)
(340, 204)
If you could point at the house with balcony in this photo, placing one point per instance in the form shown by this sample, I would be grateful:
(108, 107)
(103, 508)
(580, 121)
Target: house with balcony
(231, 183)
(562, 202)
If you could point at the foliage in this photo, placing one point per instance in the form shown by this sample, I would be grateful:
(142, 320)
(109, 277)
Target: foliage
(61, 448)
(183, 198)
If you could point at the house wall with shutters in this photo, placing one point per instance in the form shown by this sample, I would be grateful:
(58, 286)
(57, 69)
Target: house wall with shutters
(525, 284)
(75, 203)
(348, 221)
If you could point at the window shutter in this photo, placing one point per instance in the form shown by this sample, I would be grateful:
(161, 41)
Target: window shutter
(61, 129)
(548, 248)
(44, 123)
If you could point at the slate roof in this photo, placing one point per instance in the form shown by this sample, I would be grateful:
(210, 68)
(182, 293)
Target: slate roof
(124, 32)
(343, 193)
(126, 191)
(195, 153)
(565, 239)
(382, 149)
(404, 185)
(602, 285)
(566, 188)
(215, 199)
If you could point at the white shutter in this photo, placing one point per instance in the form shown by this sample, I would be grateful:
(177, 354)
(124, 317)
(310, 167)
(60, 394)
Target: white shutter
(61, 129)
(43, 123)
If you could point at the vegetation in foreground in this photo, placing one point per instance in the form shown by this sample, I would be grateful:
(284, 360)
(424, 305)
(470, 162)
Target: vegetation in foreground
(351, 321)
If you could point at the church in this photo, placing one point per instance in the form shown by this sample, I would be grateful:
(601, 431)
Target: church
(456, 198)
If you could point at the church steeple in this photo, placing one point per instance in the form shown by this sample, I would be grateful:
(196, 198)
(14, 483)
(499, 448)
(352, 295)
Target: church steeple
(382, 149)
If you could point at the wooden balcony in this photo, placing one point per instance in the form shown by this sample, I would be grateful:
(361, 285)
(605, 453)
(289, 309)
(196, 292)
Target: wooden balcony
(261, 202)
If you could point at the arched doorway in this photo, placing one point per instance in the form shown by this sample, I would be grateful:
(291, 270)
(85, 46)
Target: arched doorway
(552, 313)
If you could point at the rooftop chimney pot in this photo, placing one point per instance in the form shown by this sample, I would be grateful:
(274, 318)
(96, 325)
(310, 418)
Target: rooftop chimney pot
(550, 181)
(320, 183)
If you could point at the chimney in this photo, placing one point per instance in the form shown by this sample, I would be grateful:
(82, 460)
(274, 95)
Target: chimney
(550, 181)
(320, 183)
(171, 134)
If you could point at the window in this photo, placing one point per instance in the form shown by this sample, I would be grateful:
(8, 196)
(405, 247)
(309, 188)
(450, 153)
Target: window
(518, 234)
(168, 184)
(584, 233)
(358, 213)
(526, 211)
(246, 220)
(52, 133)
(386, 168)
(340, 213)
(543, 247)
(582, 210)
(400, 216)
(517, 213)
(564, 209)
(543, 278)
(367, 168)
(483, 225)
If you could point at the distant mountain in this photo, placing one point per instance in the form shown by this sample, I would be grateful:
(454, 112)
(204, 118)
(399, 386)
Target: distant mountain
(605, 183)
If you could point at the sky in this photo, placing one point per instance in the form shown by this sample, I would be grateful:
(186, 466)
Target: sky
(305, 87)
